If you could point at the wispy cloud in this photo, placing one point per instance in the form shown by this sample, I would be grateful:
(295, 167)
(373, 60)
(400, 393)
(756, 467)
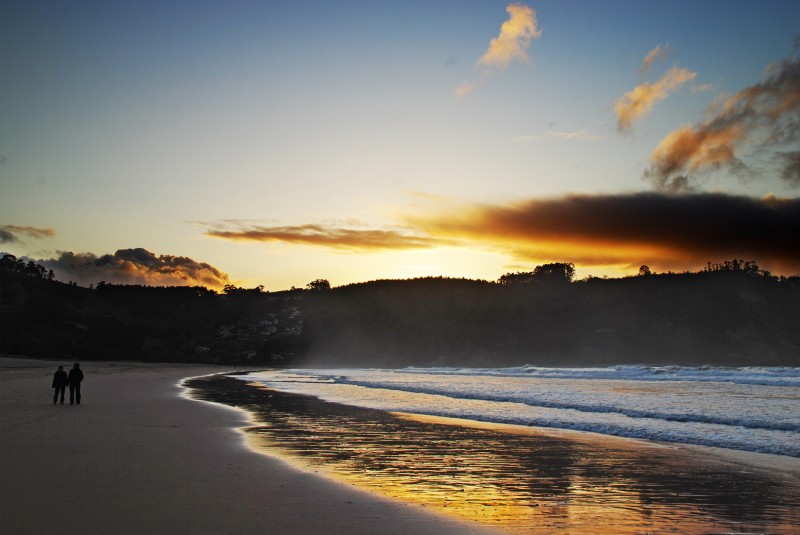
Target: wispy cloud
(702, 88)
(511, 44)
(11, 233)
(135, 266)
(766, 115)
(657, 53)
(464, 88)
(640, 101)
(576, 135)
(336, 237)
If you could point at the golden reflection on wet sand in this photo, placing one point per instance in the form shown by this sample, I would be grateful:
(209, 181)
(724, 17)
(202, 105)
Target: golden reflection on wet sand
(518, 479)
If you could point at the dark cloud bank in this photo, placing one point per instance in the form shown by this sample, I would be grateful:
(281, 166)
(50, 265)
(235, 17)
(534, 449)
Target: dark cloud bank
(675, 231)
(698, 224)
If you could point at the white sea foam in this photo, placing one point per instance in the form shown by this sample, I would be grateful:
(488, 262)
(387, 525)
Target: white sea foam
(768, 376)
(751, 409)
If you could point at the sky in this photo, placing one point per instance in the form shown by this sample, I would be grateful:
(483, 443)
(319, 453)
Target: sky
(276, 143)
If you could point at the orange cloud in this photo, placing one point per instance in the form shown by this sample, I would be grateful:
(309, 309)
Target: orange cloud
(333, 237)
(640, 101)
(689, 149)
(511, 44)
(10, 233)
(764, 115)
(464, 88)
(514, 39)
(135, 266)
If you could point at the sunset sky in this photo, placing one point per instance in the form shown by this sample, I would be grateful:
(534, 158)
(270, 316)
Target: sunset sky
(276, 143)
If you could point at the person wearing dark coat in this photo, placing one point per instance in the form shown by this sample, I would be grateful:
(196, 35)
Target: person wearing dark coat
(74, 382)
(59, 384)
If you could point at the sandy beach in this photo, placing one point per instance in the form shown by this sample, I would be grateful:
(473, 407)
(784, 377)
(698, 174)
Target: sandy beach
(137, 457)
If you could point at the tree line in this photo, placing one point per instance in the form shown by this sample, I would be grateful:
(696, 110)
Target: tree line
(731, 313)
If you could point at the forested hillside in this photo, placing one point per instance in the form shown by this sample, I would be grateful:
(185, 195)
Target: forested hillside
(731, 313)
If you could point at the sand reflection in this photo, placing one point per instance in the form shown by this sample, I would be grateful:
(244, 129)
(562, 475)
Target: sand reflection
(514, 478)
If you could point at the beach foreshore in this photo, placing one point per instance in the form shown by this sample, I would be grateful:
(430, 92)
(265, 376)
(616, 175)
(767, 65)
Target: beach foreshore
(518, 478)
(138, 457)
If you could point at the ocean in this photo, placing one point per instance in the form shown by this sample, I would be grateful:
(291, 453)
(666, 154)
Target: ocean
(749, 409)
(618, 449)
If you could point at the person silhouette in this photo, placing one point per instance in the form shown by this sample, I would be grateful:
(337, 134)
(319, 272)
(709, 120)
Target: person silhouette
(74, 382)
(59, 384)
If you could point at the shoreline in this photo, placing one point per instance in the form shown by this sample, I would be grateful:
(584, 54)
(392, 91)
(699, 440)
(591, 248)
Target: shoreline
(138, 457)
(516, 478)
(787, 464)
(143, 454)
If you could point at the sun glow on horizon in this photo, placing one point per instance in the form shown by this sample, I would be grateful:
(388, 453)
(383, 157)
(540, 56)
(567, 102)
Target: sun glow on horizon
(231, 148)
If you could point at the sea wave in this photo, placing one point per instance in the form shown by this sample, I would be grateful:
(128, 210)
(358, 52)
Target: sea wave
(720, 437)
(751, 409)
(749, 375)
(581, 407)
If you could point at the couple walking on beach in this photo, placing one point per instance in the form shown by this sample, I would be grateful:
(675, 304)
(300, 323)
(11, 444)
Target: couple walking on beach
(61, 380)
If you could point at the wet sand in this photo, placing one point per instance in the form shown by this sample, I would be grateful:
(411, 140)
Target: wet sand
(522, 480)
(137, 457)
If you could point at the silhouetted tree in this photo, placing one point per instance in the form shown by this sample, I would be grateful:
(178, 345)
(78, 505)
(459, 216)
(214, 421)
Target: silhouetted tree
(547, 273)
(10, 262)
(230, 289)
(556, 272)
(750, 267)
(234, 291)
(644, 271)
(319, 285)
(520, 278)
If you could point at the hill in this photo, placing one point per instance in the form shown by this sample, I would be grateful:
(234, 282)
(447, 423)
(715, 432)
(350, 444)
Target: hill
(728, 314)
